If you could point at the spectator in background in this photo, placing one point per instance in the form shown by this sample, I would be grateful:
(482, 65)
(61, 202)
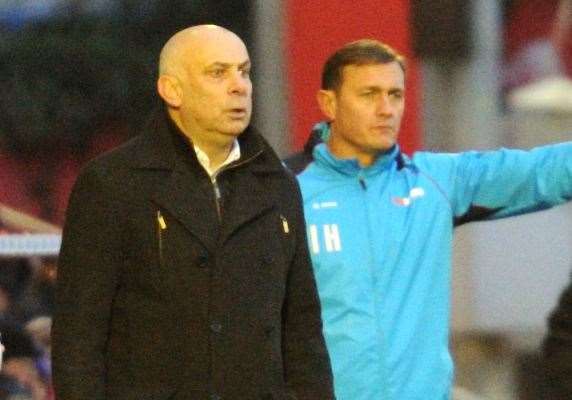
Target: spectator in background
(39, 330)
(19, 377)
(37, 297)
(27, 288)
(15, 276)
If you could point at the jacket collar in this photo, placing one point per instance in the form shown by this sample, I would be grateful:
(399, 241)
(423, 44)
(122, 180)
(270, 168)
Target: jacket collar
(185, 190)
(317, 145)
(351, 167)
(164, 146)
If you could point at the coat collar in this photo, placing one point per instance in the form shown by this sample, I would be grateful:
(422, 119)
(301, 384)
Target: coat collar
(164, 146)
(186, 191)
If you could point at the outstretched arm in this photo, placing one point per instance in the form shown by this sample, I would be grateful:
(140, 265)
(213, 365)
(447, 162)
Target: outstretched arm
(506, 182)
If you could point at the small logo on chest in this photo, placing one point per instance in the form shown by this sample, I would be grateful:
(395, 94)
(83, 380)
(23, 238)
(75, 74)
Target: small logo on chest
(324, 205)
(415, 193)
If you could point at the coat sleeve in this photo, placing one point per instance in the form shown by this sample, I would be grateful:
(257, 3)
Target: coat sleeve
(88, 271)
(505, 182)
(307, 363)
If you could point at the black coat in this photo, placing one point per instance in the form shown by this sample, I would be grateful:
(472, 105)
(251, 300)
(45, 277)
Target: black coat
(161, 295)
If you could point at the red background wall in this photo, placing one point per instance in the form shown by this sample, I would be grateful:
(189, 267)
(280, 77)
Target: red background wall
(316, 28)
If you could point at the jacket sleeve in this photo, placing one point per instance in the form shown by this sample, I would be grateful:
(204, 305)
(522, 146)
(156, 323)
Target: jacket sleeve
(505, 182)
(87, 278)
(307, 363)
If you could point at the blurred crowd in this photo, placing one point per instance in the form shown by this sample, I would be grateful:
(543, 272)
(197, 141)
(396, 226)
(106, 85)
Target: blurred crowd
(26, 303)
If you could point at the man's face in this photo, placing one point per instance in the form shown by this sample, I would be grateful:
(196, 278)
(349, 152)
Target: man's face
(366, 110)
(216, 87)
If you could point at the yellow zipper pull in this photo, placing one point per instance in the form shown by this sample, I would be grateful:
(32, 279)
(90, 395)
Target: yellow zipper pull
(161, 221)
(285, 224)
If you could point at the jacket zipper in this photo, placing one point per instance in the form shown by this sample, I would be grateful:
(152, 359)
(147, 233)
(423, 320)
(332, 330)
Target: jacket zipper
(362, 182)
(216, 187)
(161, 226)
(371, 252)
(218, 196)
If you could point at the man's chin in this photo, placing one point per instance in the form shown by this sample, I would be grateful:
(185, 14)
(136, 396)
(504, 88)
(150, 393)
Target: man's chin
(234, 129)
(385, 147)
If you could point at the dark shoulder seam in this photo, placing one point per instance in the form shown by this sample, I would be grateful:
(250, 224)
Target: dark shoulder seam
(298, 162)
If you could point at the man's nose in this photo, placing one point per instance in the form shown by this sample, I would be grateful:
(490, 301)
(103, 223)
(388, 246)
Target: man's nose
(239, 83)
(384, 106)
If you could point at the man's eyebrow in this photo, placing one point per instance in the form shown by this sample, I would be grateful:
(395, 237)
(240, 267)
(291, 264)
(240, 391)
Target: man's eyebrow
(379, 88)
(217, 64)
(228, 65)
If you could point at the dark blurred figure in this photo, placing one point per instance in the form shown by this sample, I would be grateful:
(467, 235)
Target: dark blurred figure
(26, 288)
(557, 348)
(15, 275)
(37, 298)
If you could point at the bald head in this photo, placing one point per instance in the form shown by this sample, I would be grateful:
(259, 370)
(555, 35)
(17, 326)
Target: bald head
(204, 79)
(185, 45)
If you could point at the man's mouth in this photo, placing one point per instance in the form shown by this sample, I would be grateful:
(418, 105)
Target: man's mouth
(237, 112)
(383, 127)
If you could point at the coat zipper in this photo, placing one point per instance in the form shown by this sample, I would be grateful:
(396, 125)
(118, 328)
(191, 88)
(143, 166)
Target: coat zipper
(216, 187)
(218, 196)
(161, 226)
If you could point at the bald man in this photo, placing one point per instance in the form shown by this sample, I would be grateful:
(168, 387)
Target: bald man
(184, 272)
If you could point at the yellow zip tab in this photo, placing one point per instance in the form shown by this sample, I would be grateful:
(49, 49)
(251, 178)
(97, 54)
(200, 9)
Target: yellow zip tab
(161, 221)
(285, 224)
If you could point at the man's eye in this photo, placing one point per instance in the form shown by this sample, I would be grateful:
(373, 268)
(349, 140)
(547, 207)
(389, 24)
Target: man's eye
(217, 73)
(245, 73)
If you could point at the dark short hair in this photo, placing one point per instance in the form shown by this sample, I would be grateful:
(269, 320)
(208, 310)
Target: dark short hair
(360, 52)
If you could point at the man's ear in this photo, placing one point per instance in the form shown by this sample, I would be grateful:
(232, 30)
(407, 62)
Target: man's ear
(170, 90)
(327, 103)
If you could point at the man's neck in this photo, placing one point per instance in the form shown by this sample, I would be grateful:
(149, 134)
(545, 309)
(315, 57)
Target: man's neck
(217, 153)
(344, 152)
(206, 163)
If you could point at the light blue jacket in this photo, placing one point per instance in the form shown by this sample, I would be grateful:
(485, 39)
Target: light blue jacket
(380, 239)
